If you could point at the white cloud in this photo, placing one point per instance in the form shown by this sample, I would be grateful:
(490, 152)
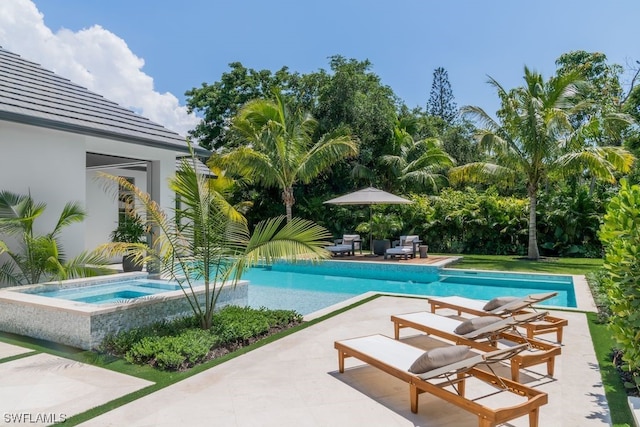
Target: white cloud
(92, 57)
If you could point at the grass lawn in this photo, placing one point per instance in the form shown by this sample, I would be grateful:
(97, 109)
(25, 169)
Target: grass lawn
(517, 263)
(603, 343)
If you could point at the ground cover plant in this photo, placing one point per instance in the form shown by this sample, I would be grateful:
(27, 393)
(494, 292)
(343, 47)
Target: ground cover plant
(181, 344)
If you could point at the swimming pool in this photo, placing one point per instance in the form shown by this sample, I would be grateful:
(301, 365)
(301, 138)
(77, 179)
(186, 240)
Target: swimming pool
(306, 287)
(309, 287)
(113, 292)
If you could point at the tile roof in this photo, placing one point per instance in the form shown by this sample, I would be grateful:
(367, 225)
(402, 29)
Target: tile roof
(33, 95)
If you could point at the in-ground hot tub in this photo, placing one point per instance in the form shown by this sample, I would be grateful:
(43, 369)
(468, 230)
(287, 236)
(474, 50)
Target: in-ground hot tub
(82, 312)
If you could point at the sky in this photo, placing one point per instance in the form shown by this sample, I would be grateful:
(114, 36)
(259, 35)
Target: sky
(145, 55)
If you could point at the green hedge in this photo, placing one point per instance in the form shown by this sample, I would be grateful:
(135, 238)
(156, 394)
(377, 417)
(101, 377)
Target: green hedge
(621, 235)
(486, 223)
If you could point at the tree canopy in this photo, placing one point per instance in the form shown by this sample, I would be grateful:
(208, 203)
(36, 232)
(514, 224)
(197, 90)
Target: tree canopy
(349, 98)
(534, 137)
(278, 149)
(441, 102)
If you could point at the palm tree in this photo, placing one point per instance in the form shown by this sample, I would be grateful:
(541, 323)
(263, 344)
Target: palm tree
(534, 138)
(41, 257)
(207, 241)
(418, 164)
(278, 147)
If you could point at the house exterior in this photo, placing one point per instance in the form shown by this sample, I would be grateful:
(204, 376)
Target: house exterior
(54, 138)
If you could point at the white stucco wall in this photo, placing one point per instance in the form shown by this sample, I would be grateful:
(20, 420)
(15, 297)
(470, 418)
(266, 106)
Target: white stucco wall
(52, 165)
(49, 164)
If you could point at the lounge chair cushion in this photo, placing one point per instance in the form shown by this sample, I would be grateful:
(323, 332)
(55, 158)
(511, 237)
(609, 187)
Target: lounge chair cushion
(476, 323)
(439, 357)
(408, 240)
(498, 302)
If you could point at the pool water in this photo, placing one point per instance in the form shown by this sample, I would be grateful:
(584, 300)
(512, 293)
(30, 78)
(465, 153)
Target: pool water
(308, 288)
(113, 292)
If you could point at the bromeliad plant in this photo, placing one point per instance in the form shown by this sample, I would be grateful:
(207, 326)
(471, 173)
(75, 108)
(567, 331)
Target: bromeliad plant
(206, 241)
(39, 258)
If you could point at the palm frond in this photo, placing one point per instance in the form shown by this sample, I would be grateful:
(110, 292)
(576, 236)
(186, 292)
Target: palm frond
(425, 179)
(601, 162)
(71, 213)
(480, 172)
(86, 264)
(324, 154)
(396, 163)
(18, 212)
(273, 240)
(9, 275)
(248, 162)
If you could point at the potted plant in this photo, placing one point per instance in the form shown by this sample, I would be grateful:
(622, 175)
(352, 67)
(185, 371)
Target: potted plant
(382, 228)
(131, 229)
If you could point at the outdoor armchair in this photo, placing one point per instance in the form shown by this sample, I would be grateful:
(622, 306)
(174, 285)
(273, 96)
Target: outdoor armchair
(406, 247)
(348, 245)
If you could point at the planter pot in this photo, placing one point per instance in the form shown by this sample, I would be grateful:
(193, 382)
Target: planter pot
(128, 265)
(380, 246)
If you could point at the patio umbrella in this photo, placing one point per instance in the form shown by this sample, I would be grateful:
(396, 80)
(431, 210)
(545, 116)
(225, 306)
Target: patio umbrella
(369, 196)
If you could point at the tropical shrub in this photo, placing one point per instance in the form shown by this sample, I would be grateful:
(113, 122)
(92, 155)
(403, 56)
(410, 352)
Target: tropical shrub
(172, 352)
(40, 258)
(381, 226)
(468, 222)
(620, 235)
(206, 241)
(120, 343)
(239, 324)
(568, 222)
(181, 343)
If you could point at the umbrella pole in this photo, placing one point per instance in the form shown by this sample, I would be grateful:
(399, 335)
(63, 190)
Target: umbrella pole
(371, 232)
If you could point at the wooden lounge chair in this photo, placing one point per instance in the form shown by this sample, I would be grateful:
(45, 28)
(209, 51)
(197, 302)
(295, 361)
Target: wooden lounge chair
(346, 246)
(396, 358)
(497, 335)
(510, 306)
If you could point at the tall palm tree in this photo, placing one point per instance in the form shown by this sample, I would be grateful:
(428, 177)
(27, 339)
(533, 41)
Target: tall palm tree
(39, 257)
(417, 164)
(534, 137)
(279, 150)
(207, 241)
